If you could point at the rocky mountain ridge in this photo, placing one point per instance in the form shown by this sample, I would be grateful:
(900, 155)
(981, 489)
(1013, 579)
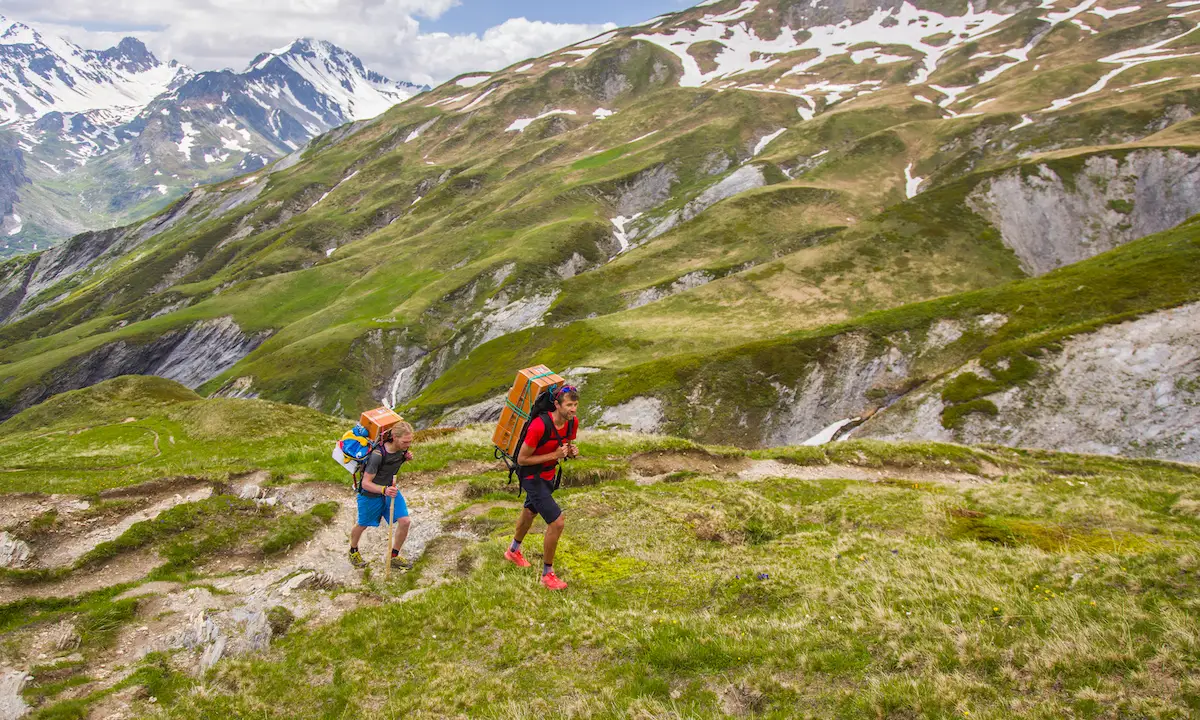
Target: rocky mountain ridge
(113, 135)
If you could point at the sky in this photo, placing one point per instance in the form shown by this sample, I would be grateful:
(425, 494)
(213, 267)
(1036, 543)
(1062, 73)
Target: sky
(423, 41)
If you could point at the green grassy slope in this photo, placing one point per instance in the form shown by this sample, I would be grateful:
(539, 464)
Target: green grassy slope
(859, 579)
(407, 238)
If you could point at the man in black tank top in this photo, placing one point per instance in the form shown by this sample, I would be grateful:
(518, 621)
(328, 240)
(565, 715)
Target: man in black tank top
(379, 493)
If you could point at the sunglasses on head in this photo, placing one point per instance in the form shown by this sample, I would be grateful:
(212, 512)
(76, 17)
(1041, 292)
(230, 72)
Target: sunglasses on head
(564, 390)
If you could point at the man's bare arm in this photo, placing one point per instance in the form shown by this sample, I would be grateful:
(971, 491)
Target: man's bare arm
(368, 484)
(526, 457)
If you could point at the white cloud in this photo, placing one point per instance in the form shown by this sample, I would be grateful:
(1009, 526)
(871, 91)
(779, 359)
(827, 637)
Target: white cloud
(386, 34)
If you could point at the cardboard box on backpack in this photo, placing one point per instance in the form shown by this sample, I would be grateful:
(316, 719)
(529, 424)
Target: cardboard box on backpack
(378, 420)
(529, 384)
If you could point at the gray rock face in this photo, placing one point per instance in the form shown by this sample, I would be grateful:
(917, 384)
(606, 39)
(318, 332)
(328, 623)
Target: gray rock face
(1051, 221)
(517, 315)
(481, 412)
(647, 190)
(1132, 389)
(52, 266)
(14, 552)
(739, 181)
(803, 14)
(641, 414)
(834, 390)
(189, 355)
(12, 704)
(206, 350)
(682, 284)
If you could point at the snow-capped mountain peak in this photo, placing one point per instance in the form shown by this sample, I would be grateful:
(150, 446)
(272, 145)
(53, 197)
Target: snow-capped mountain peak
(42, 73)
(153, 129)
(334, 73)
(16, 33)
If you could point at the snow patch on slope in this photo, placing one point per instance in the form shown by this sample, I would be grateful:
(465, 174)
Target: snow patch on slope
(520, 124)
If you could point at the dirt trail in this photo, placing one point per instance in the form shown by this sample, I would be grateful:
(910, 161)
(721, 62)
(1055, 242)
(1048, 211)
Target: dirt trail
(227, 612)
(656, 466)
(66, 552)
(761, 469)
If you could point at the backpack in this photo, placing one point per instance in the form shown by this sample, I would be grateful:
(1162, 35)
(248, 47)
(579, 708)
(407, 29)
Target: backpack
(351, 452)
(542, 407)
(362, 466)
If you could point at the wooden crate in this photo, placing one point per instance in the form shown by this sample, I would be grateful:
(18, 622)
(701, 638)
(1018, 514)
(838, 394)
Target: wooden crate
(378, 420)
(529, 384)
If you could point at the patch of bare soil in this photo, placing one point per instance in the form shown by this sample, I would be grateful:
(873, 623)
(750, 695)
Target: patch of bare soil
(77, 538)
(457, 467)
(762, 469)
(474, 511)
(665, 462)
(122, 569)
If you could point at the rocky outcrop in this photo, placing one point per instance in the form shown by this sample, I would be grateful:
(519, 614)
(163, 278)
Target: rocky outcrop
(53, 266)
(683, 283)
(1131, 389)
(12, 177)
(745, 178)
(836, 388)
(1057, 214)
(191, 355)
(14, 552)
(12, 703)
(645, 191)
(516, 315)
(206, 350)
(799, 15)
(641, 414)
(487, 411)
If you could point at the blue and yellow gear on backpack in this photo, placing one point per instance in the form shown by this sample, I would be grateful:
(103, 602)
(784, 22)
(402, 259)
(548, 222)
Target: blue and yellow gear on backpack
(355, 444)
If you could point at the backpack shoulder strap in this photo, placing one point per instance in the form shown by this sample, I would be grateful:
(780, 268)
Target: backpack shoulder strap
(551, 430)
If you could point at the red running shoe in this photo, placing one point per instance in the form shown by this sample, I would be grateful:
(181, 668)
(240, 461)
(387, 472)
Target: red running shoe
(516, 558)
(551, 581)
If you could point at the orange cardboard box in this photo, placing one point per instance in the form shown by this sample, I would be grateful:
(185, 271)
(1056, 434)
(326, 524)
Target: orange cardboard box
(529, 384)
(378, 420)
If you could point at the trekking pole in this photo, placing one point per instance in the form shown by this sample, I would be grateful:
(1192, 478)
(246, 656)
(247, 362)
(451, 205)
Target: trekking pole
(387, 557)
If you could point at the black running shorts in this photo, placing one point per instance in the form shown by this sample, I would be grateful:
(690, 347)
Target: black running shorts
(539, 500)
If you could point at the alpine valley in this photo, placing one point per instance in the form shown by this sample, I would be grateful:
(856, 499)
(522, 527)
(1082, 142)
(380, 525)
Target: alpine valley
(885, 318)
(91, 139)
(751, 222)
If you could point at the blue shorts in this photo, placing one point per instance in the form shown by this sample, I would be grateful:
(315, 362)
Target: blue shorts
(373, 510)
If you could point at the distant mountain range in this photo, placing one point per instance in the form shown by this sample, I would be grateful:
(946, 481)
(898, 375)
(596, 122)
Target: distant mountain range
(92, 138)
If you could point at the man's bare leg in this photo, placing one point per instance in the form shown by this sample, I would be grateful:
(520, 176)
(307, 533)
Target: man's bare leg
(553, 532)
(356, 535)
(524, 522)
(402, 525)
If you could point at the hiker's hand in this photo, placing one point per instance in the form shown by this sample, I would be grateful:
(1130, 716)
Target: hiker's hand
(573, 450)
(561, 452)
(391, 491)
(407, 456)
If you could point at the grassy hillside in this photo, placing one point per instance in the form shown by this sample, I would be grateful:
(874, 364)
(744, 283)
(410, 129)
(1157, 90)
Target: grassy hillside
(426, 255)
(857, 579)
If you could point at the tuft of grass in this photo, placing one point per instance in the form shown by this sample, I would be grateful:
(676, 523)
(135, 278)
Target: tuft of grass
(98, 626)
(280, 619)
(188, 530)
(954, 416)
(291, 530)
(1051, 537)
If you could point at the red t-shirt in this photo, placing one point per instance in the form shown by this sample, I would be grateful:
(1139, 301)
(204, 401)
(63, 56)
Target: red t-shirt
(534, 439)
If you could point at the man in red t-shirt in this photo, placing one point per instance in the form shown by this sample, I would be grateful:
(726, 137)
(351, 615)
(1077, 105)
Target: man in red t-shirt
(537, 461)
